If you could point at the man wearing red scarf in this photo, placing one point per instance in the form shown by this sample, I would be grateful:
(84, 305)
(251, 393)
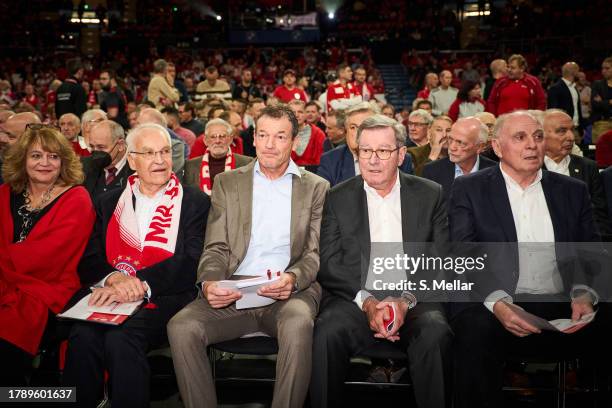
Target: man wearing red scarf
(146, 244)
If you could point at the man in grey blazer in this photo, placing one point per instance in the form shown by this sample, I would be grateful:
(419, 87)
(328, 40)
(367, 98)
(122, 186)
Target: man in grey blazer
(201, 171)
(265, 216)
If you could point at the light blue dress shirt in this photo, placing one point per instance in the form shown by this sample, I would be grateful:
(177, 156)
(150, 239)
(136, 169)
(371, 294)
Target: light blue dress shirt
(459, 172)
(270, 243)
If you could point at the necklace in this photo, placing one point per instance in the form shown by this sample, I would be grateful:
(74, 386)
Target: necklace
(28, 213)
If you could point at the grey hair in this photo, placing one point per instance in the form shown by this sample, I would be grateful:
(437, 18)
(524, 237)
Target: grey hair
(423, 114)
(219, 121)
(134, 133)
(116, 130)
(379, 121)
(71, 116)
(501, 120)
(363, 107)
(160, 66)
(483, 133)
(89, 115)
(155, 116)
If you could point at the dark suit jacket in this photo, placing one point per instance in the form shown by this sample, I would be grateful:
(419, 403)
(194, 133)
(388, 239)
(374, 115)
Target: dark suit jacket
(601, 110)
(173, 276)
(480, 211)
(606, 178)
(345, 233)
(192, 168)
(560, 97)
(586, 170)
(442, 171)
(338, 165)
(93, 167)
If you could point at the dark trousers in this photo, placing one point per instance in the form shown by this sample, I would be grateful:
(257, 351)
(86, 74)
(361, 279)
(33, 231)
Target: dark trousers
(122, 351)
(15, 364)
(342, 331)
(482, 345)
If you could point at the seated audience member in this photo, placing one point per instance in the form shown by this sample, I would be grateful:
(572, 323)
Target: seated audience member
(469, 101)
(388, 110)
(308, 146)
(131, 256)
(235, 121)
(424, 104)
(12, 128)
(366, 209)
(517, 202)
(200, 172)
(342, 163)
(45, 221)
(466, 139)
(172, 118)
(187, 115)
(106, 169)
(70, 125)
(212, 86)
(313, 115)
(254, 108)
(288, 91)
(431, 82)
(444, 95)
(180, 150)
(336, 132)
(488, 119)
(281, 206)
(418, 126)
(88, 120)
(436, 145)
(558, 143)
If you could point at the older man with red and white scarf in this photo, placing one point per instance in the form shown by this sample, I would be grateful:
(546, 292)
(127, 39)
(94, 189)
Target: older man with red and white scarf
(146, 245)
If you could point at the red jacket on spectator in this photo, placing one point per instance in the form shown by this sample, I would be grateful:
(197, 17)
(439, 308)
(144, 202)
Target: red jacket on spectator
(365, 90)
(314, 150)
(424, 93)
(285, 95)
(79, 150)
(508, 95)
(338, 91)
(469, 109)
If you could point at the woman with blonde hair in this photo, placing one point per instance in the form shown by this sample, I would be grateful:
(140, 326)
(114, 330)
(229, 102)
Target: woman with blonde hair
(45, 222)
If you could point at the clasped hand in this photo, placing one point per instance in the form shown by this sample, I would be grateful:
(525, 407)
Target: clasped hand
(118, 288)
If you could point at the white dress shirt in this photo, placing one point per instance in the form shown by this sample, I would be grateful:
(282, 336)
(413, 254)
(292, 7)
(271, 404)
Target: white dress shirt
(562, 167)
(270, 244)
(384, 220)
(575, 100)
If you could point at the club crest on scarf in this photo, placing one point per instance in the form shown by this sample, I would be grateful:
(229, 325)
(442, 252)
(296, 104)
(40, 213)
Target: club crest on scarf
(125, 250)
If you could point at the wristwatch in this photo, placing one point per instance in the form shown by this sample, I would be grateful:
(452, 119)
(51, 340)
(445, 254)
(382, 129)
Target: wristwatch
(409, 298)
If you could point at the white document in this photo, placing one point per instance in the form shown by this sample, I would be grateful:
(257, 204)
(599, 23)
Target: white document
(248, 287)
(115, 313)
(561, 325)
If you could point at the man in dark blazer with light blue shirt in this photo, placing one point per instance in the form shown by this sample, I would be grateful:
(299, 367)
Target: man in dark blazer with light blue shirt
(560, 94)
(340, 164)
(467, 138)
(518, 203)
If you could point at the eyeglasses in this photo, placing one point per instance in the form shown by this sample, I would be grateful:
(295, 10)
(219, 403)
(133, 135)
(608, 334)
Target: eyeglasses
(150, 154)
(417, 124)
(40, 126)
(382, 154)
(219, 137)
(95, 120)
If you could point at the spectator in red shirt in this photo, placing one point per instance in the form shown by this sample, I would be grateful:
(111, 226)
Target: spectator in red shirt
(289, 91)
(518, 90)
(361, 83)
(70, 125)
(469, 101)
(30, 97)
(431, 82)
(308, 144)
(341, 94)
(172, 117)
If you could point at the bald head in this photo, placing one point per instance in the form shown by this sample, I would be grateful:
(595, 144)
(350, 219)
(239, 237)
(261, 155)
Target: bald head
(467, 137)
(152, 115)
(558, 134)
(431, 80)
(4, 115)
(446, 77)
(16, 124)
(499, 68)
(570, 70)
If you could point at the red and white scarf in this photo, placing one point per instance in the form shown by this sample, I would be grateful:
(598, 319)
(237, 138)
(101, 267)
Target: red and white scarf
(205, 180)
(123, 244)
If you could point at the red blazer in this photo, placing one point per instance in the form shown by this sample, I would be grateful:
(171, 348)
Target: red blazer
(40, 273)
(314, 150)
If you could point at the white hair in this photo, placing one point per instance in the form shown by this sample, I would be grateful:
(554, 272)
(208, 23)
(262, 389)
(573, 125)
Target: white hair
(501, 121)
(423, 114)
(90, 114)
(134, 133)
(216, 122)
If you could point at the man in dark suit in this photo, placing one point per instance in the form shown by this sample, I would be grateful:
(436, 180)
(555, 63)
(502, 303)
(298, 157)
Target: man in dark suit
(558, 143)
(200, 172)
(101, 175)
(564, 95)
(467, 137)
(341, 163)
(518, 203)
(381, 205)
(606, 178)
(127, 263)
